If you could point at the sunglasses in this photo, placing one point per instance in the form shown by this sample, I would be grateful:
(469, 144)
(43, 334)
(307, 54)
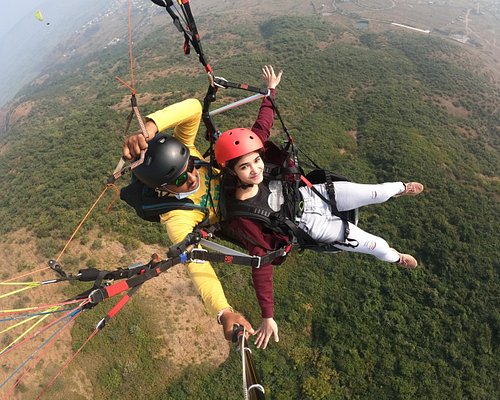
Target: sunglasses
(182, 178)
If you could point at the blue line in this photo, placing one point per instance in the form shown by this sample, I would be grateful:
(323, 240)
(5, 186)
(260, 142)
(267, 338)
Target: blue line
(71, 316)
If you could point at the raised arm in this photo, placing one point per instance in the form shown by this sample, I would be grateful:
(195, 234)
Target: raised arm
(184, 117)
(265, 119)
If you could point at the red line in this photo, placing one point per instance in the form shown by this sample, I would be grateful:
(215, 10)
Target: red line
(304, 179)
(10, 312)
(67, 363)
(130, 47)
(39, 331)
(35, 361)
(81, 223)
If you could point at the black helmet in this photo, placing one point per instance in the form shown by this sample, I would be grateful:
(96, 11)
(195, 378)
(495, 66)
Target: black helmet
(164, 161)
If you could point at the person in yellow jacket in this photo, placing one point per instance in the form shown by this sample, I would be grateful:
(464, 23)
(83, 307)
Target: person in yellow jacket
(169, 168)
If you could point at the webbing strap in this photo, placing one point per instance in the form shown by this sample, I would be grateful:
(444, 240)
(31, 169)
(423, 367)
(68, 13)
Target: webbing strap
(333, 205)
(203, 255)
(240, 259)
(120, 168)
(101, 294)
(220, 248)
(195, 38)
(155, 269)
(211, 96)
(243, 86)
(330, 188)
(191, 35)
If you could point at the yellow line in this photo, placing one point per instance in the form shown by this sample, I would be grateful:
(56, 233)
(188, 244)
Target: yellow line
(42, 318)
(18, 290)
(24, 321)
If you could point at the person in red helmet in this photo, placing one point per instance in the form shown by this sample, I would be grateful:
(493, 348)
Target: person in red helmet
(244, 155)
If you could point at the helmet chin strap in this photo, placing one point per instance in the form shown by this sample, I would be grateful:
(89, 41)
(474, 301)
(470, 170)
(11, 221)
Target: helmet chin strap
(245, 185)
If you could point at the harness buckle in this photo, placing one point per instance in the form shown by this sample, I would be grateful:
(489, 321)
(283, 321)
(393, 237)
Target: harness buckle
(259, 259)
(300, 212)
(96, 296)
(299, 207)
(197, 260)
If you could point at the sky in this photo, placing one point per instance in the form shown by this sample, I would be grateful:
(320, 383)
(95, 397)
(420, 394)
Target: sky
(27, 42)
(12, 11)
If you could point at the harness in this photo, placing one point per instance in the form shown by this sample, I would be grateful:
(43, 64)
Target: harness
(149, 204)
(286, 220)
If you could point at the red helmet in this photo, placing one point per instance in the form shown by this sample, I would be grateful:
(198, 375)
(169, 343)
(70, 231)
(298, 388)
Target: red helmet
(235, 143)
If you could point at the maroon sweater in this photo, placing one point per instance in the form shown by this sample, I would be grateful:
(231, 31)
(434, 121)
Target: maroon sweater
(252, 234)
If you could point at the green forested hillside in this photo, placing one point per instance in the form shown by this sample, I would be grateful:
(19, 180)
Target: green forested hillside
(374, 107)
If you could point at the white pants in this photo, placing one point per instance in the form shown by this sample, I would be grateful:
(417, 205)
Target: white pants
(317, 219)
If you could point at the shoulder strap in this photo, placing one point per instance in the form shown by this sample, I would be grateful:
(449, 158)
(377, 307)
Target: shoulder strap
(244, 210)
(275, 221)
(149, 206)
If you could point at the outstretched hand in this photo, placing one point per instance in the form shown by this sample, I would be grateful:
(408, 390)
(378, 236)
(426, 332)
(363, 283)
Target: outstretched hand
(231, 318)
(267, 328)
(270, 77)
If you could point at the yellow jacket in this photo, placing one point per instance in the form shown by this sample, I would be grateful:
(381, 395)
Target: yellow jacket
(185, 118)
